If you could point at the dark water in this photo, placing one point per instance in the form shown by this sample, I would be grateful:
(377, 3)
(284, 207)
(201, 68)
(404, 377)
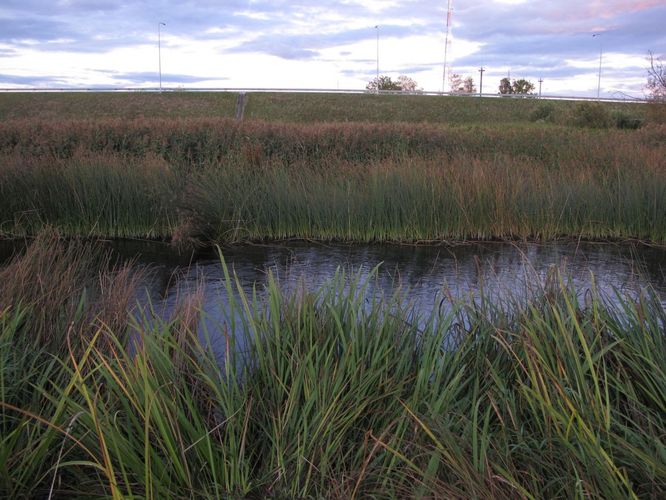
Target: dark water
(424, 274)
(424, 270)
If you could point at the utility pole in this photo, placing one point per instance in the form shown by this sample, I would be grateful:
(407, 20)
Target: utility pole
(481, 70)
(446, 43)
(540, 82)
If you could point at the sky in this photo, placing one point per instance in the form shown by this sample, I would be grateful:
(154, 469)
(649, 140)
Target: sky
(329, 44)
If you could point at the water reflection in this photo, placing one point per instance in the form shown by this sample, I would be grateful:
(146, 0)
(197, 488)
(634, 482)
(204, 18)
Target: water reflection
(425, 274)
(424, 271)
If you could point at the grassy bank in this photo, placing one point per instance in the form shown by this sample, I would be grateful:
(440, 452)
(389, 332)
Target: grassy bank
(218, 180)
(294, 107)
(550, 397)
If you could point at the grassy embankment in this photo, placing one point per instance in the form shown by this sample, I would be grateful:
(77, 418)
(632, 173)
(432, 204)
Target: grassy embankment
(541, 398)
(192, 176)
(293, 107)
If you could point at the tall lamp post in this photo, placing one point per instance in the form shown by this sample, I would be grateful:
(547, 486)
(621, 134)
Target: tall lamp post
(159, 50)
(481, 70)
(377, 30)
(594, 35)
(446, 44)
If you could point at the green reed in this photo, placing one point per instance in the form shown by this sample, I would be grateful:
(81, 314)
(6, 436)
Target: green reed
(222, 181)
(425, 200)
(335, 392)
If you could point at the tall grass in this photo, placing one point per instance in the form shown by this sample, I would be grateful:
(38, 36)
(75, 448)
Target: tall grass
(291, 107)
(88, 195)
(191, 143)
(340, 395)
(434, 199)
(221, 181)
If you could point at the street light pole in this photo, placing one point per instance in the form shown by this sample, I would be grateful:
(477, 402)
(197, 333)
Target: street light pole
(159, 50)
(377, 29)
(446, 44)
(600, 58)
(481, 70)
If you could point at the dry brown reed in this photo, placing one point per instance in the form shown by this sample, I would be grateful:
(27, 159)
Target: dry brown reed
(69, 288)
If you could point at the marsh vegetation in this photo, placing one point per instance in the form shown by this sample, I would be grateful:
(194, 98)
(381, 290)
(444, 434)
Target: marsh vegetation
(543, 396)
(550, 393)
(216, 180)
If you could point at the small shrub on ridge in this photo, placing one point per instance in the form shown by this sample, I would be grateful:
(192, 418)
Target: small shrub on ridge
(543, 113)
(624, 120)
(592, 115)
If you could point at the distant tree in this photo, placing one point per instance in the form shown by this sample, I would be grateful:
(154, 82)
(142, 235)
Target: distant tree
(656, 84)
(522, 86)
(383, 83)
(460, 85)
(407, 84)
(505, 86)
(456, 83)
(468, 85)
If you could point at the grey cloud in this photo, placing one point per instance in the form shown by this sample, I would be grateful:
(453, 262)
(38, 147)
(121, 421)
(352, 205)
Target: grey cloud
(535, 37)
(122, 79)
(146, 76)
(34, 81)
(545, 53)
(16, 30)
(45, 7)
(306, 46)
(371, 73)
(418, 68)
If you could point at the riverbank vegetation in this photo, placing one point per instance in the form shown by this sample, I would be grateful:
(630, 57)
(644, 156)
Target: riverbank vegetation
(328, 393)
(217, 180)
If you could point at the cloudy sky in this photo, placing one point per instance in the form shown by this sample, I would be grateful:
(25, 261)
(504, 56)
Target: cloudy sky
(329, 44)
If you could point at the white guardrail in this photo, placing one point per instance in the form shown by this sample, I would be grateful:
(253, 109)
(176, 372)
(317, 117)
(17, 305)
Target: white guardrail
(622, 98)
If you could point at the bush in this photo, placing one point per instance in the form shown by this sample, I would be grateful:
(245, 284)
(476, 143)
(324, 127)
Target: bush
(624, 120)
(592, 115)
(656, 111)
(543, 113)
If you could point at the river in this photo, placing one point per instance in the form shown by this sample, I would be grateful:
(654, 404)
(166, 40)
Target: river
(428, 276)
